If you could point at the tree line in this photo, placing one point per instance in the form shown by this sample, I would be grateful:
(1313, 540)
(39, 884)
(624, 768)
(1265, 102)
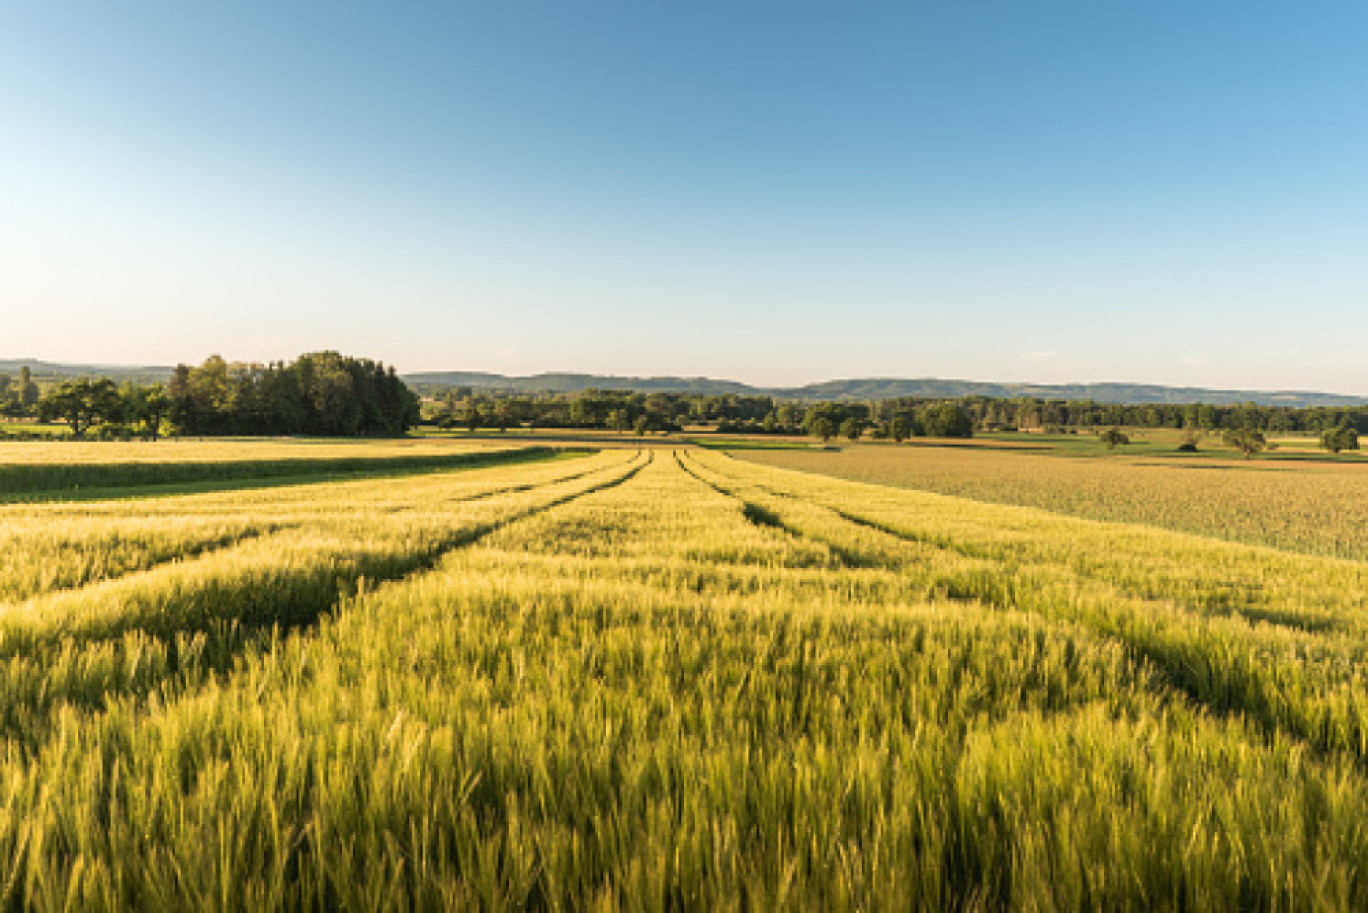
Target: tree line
(617, 410)
(896, 418)
(623, 410)
(1026, 413)
(328, 394)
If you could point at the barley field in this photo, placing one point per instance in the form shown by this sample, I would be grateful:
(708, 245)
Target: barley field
(1314, 507)
(668, 679)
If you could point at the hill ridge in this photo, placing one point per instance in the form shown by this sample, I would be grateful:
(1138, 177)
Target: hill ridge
(881, 388)
(853, 388)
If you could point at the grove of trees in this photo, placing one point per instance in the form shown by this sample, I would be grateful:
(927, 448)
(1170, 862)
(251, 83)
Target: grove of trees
(895, 419)
(321, 393)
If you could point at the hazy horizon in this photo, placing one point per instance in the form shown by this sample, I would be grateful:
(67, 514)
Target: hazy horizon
(1165, 194)
(759, 384)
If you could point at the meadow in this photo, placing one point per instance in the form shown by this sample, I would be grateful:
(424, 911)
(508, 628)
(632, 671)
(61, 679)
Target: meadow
(1314, 506)
(669, 678)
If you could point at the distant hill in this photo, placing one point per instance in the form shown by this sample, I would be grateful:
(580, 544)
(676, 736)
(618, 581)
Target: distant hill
(884, 388)
(881, 388)
(46, 370)
(574, 383)
(848, 389)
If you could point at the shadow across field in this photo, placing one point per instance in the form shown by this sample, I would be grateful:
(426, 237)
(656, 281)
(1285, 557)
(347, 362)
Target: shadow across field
(110, 481)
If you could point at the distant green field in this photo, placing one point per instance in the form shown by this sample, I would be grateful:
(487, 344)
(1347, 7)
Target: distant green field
(13, 429)
(728, 442)
(1163, 442)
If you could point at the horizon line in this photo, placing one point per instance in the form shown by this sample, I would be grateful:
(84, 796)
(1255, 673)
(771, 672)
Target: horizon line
(756, 386)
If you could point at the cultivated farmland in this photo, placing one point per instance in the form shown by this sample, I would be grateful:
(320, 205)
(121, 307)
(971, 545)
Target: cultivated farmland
(667, 678)
(1314, 507)
(41, 470)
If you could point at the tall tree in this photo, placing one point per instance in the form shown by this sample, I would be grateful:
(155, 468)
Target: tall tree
(1340, 437)
(948, 420)
(1246, 440)
(1113, 437)
(900, 428)
(82, 403)
(28, 390)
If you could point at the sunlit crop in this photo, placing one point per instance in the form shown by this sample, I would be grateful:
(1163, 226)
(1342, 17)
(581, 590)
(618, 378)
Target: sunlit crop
(1307, 506)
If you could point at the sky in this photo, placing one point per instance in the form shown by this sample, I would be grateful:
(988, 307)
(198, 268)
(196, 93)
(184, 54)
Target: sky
(779, 193)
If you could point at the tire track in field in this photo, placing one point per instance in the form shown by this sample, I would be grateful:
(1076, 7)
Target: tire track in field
(223, 542)
(193, 548)
(1212, 607)
(759, 515)
(515, 489)
(36, 483)
(12, 630)
(956, 585)
(1214, 660)
(1215, 602)
(133, 657)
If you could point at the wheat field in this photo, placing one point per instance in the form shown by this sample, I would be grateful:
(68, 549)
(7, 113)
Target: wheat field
(1309, 506)
(668, 679)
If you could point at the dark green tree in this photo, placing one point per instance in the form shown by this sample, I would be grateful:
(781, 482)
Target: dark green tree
(948, 420)
(471, 416)
(1113, 437)
(82, 403)
(823, 420)
(1340, 437)
(147, 407)
(1246, 440)
(620, 420)
(28, 390)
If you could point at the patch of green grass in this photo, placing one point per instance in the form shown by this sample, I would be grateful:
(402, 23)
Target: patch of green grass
(729, 443)
(20, 429)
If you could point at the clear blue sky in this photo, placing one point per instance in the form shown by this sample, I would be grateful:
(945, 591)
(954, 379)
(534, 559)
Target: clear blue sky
(774, 192)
